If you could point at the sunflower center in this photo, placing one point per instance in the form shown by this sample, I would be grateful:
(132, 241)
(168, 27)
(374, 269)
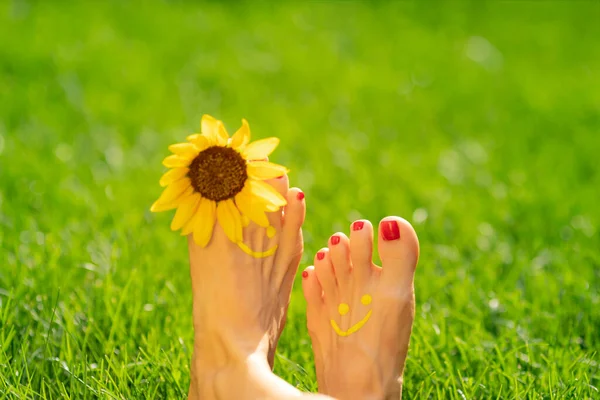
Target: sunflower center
(218, 173)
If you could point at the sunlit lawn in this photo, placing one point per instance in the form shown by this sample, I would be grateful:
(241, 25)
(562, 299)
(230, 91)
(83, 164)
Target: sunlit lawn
(478, 122)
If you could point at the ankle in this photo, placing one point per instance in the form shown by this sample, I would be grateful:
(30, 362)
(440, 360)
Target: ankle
(368, 390)
(213, 368)
(359, 379)
(250, 378)
(223, 350)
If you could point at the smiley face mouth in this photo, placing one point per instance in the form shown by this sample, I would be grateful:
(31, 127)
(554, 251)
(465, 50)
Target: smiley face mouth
(353, 328)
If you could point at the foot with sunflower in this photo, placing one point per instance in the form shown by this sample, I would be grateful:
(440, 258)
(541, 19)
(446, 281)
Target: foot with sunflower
(243, 225)
(240, 304)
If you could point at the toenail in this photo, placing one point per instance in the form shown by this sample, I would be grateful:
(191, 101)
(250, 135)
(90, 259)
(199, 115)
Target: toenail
(320, 255)
(300, 195)
(390, 230)
(304, 274)
(335, 239)
(358, 225)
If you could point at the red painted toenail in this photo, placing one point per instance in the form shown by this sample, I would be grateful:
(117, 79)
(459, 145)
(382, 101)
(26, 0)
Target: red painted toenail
(335, 239)
(320, 255)
(300, 195)
(358, 225)
(390, 230)
(304, 274)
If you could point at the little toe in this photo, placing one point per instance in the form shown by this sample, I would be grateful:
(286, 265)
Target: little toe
(398, 250)
(313, 293)
(324, 272)
(361, 249)
(339, 248)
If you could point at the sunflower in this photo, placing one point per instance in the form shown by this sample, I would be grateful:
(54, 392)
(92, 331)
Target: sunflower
(214, 178)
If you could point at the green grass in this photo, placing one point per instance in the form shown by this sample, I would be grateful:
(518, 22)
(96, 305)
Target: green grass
(478, 122)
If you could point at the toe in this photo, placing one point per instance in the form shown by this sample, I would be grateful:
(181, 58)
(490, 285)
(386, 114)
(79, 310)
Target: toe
(339, 248)
(398, 250)
(313, 293)
(290, 240)
(361, 249)
(325, 275)
(281, 185)
(293, 213)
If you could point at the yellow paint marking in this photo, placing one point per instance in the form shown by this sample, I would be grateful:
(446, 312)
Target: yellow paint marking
(256, 254)
(245, 221)
(343, 308)
(353, 328)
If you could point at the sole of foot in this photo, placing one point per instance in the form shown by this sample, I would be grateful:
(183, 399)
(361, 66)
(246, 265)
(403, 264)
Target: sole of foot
(360, 315)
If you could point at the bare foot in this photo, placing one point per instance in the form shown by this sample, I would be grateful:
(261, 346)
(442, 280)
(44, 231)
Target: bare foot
(360, 315)
(240, 305)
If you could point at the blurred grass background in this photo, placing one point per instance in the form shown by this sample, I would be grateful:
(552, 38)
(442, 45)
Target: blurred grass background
(477, 121)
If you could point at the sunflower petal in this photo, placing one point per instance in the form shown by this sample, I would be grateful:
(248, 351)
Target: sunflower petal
(265, 203)
(222, 134)
(230, 220)
(173, 175)
(158, 207)
(260, 149)
(241, 137)
(201, 142)
(174, 190)
(185, 212)
(265, 170)
(208, 125)
(186, 150)
(188, 227)
(210, 129)
(266, 192)
(252, 209)
(164, 205)
(204, 222)
(271, 208)
(192, 137)
(176, 161)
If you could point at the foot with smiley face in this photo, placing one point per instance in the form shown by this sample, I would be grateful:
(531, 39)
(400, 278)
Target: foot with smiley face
(360, 315)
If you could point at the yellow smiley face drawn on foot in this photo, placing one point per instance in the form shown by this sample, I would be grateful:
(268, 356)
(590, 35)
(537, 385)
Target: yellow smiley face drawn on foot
(343, 309)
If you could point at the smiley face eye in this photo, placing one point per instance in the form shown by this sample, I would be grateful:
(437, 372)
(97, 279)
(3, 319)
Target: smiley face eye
(366, 299)
(343, 308)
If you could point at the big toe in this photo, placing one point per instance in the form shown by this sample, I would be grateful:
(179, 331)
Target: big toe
(281, 185)
(398, 250)
(291, 244)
